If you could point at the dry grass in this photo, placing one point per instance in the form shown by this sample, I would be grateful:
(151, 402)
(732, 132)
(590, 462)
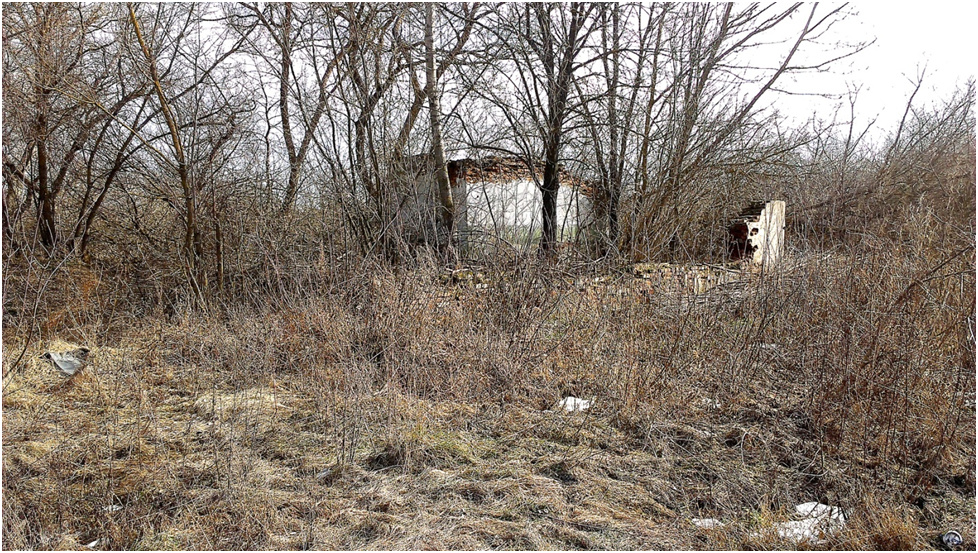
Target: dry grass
(401, 412)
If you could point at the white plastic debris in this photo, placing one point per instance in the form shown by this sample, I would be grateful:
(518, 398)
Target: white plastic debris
(572, 404)
(799, 530)
(821, 521)
(92, 545)
(952, 539)
(820, 510)
(708, 523)
(112, 508)
(710, 403)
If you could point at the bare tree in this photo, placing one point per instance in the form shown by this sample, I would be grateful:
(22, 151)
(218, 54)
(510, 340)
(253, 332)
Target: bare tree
(462, 24)
(707, 104)
(200, 116)
(446, 215)
(295, 39)
(543, 47)
(631, 43)
(131, 116)
(58, 72)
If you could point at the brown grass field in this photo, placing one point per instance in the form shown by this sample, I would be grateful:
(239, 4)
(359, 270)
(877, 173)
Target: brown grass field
(394, 409)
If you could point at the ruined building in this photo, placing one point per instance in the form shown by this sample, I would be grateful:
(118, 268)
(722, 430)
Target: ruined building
(494, 195)
(757, 234)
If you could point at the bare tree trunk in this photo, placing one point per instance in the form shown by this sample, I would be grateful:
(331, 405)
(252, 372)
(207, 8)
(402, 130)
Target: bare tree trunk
(46, 193)
(613, 184)
(549, 189)
(551, 184)
(45, 200)
(446, 215)
(191, 243)
(470, 13)
(8, 231)
(285, 44)
(558, 61)
(414, 111)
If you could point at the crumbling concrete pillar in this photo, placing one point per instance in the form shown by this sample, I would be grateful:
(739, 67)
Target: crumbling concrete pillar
(766, 235)
(757, 234)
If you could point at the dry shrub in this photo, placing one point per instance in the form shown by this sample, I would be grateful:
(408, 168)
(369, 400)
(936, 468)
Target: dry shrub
(889, 361)
(882, 526)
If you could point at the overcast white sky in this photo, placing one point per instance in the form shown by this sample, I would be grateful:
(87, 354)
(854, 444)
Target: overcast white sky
(909, 36)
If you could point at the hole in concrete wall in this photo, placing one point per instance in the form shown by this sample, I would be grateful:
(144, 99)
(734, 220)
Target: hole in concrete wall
(739, 246)
(740, 231)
